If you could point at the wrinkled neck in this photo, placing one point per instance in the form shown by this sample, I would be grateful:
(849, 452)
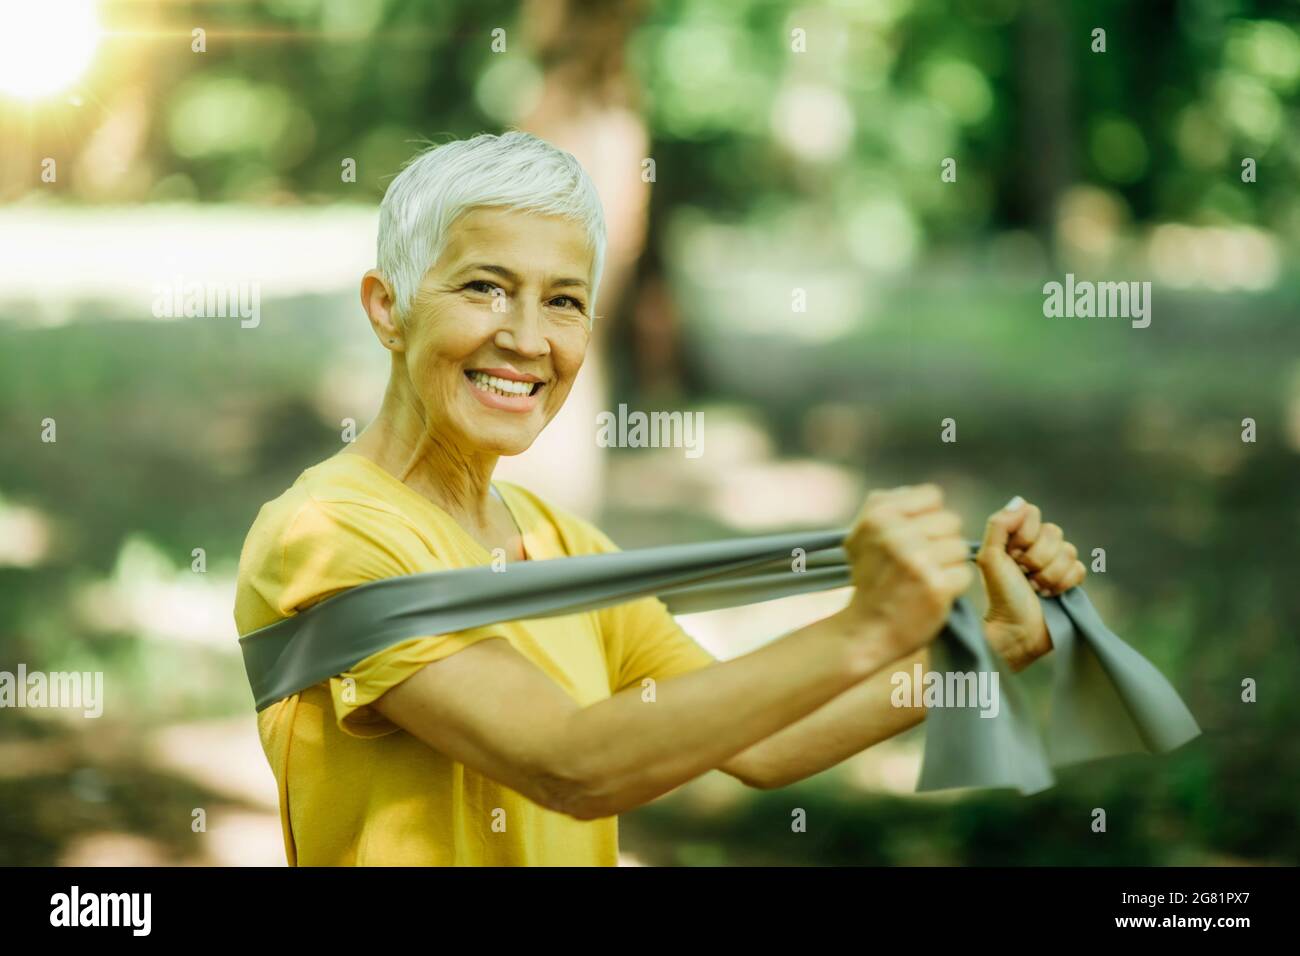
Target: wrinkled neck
(403, 441)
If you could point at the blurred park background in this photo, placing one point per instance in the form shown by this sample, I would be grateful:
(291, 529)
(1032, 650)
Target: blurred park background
(795, 146)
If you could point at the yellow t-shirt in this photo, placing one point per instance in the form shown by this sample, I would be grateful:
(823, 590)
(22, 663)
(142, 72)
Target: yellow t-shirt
(355, 788)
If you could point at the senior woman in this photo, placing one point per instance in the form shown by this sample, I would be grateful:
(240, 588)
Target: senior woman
(519, 743)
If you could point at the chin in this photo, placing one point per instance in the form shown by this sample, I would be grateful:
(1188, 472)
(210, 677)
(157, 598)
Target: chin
(503, 444)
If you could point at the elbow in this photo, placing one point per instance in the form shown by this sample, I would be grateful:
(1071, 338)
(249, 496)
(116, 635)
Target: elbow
(577, 792)
(758, 783)
(754, 775)
(764, 783)
(574, 801)
(587, 810)
(578, 801)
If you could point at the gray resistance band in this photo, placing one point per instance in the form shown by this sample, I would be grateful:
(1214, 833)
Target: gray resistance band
(1107, 699)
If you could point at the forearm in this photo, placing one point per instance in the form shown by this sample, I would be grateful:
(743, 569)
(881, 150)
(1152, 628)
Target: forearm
(861, 716)
(625, 751)
(909, 564)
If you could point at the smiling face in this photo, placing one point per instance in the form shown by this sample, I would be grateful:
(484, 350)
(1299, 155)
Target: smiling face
(499, 328)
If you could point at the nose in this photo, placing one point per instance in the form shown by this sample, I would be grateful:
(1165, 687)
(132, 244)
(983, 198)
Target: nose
(521, 331)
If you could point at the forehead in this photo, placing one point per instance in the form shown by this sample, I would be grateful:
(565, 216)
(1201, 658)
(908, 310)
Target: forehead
(525, 239)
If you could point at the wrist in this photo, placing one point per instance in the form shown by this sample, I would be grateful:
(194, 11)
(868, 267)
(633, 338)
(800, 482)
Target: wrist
(869, 643)
(1017, 643)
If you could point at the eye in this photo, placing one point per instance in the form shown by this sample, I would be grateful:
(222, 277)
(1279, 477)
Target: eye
(483, 286)
(570, 301)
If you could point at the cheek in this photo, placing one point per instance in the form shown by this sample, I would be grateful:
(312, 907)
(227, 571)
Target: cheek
(448, 339)
(569, 351)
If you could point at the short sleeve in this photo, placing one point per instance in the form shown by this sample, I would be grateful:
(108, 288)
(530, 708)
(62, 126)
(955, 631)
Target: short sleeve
(642, 639)
(355, 691)
(330, 547)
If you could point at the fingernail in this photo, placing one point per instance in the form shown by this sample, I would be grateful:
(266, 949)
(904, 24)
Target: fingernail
(1013, 504)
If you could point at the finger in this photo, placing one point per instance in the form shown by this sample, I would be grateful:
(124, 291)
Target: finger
(948, 551)
(1052, 577)
(908, 500)
(917, 499)
(938, 524)
(957, 579)
(1001, 525)
(1041, 553)
(1027, 533)
(909, 537)
(880, 495)
(1055, 568)
(1075, 576)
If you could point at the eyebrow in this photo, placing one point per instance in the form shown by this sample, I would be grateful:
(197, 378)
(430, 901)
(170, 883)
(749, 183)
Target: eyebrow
(514, 277)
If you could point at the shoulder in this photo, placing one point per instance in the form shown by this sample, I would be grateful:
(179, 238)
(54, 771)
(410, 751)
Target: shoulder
(322, 535)
(576, 535)
(326, 514)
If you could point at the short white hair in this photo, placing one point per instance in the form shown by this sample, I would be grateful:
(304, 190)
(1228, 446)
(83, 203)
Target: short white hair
(515, 170)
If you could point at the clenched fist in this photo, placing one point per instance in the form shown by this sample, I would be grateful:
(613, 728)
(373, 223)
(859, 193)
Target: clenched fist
(908, 563)
(1022, 556)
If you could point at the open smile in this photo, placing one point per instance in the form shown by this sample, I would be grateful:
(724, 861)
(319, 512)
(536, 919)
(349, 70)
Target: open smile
(515, 393)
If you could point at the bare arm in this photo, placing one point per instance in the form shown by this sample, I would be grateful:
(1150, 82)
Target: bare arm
(1019, 556)
(621, 752)
(858, 718)
(909, 565)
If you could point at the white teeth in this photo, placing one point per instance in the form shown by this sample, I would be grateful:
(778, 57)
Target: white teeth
(501, 386)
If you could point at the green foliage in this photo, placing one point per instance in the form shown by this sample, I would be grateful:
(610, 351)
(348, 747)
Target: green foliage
(175, 433)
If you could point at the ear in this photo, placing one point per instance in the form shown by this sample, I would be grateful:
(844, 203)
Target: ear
(381, 306)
